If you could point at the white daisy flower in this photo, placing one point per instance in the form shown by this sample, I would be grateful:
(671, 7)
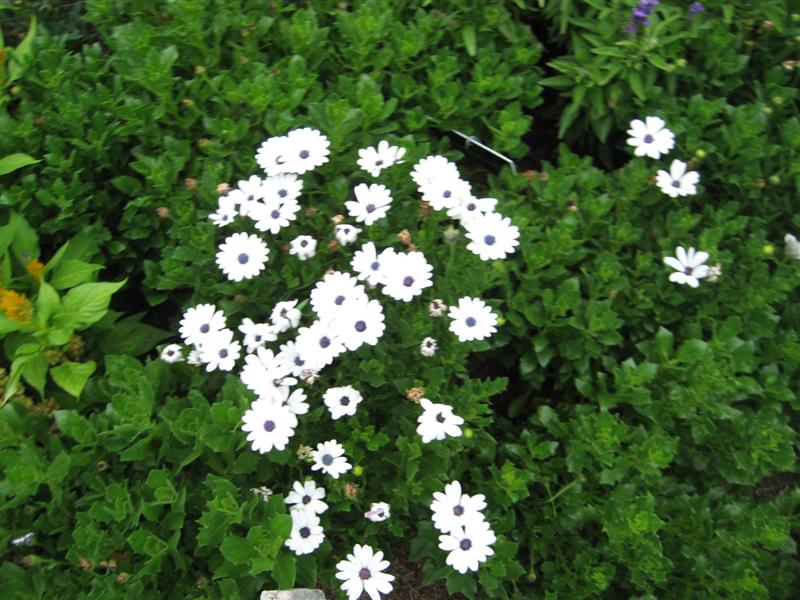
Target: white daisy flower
(368, 265)
(345, 234)
(407, 274)
(319, 343)
(304, 246)
(472, 319)
(371, 204)
(437, 422)
(470, 206)
(428, 347)
(272, 155)
(251, 191)
(329, 458)
(342, 401)
(266, 375)
(273, 216)
(306, 496)
(286, 315)
(282, 188)
(226, 212)
(295, 401)
(269, 424)
(434, 167)
(689, 266)
(468, 546)
(172, 353)
(444, 193)
(290, 357)
(307, 534)
(650, 138)
(336, 292)
(453, 509)
(378, 511)
(437, 308)
(360, 323)
(493, 236)
(194, 358)
(373, 160)
(792, 248)
(307, 149)
(679, 181)
(199, 322)
(220, 351)
(363, 572)
(242, 256)
(257, 334)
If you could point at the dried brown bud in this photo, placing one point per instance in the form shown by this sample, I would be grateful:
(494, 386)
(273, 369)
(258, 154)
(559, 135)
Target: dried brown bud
(85, 563)
(350, 490)
(404, 236)
(413, 247)
(613, 293)
(333, 244)
(28, 560)
(543, 176)
(239, 298)
(190, 183)
(529, 174)
(311, 211)
(336, 219)
(767, 25)
(101, 465)
(425, 209)
(652, 179)
(286, 248)
(187, 102)
(243, 59)
(203, 142)
(223, 188)
(162, 212)
(415, 394)
(199, 70)
(437, 308)
(303, 452)
(693, 162)
(53, 356)
(789, 64)
(110, 564)
(310, 376)
(122, 577)
(572, 207)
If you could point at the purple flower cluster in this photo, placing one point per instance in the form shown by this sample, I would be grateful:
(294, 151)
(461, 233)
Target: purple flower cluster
(695, 8)
(640, 14)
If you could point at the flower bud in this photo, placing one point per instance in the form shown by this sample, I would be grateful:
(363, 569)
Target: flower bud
(358, 470)
(769, 249)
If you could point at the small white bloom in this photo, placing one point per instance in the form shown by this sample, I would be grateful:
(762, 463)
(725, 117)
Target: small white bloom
(286, 315)
(437, 308)
(291, 359)
(266, 375)
(444, 193)
(368, 265)
(201, 321)
(269, 424)
(319, 343)
(281, 189)
(25, 540)
(329, 458)
(363, 572)
(336, 292)
(272, 155)
(428, 347)
(294, 401)
(226, 212)
(342, 401)
(307, 496)
(472, 319)
(219, 351)
(493, 236)
(714, 272)
(407, 274)
(251, 189)
(257, 334)
(371, 204)
(453, 509)
(360, 323)
(194, 358)
(679, 181)
(172, 353)
(346, 234)
(378, 511)
(650, 137)
(242, 256)
(308, 149)
(273, 216)
(437, 422)
(434, 167)
(373, 160)
(307, 534)
(792, 249)
(469, 207)
(304, 246)
(689, 266)
(468, 546)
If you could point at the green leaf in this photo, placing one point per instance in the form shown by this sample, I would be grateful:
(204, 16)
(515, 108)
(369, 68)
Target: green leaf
(74, 425)
(71, 376)
(35, 372)
(21, 54)
(237, 550)
(47, 302)
(73, 272)
(13, 162)
(664, 339)
(635, 81)
(284, 571)
(85, 304)
(691, 351)
(468, 34)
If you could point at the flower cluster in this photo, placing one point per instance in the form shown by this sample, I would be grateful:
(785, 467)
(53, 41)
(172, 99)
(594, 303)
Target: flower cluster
(640, 15)
(466, 534)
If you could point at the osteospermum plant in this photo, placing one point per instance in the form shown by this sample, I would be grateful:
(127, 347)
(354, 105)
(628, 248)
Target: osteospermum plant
(324, 364)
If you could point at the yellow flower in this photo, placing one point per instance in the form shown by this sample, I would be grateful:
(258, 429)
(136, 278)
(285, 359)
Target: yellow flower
(34, 268)
(15, 305)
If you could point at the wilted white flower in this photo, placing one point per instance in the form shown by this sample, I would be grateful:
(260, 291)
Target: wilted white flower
(437, 308)
(257, 334)
(345, 234)
(689, 266)
(428, 347)
(651, 137)
(714, 272)
(285, 315)
(378, 511)
(679, 181)
(304, 246)
(172, 353)
(363, 572)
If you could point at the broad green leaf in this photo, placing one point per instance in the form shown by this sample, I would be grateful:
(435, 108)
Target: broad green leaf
(34, 372)
(72, 376)
(47, 302)
(285, 570)
(22, 53)
(73, 272)
(237, 550)
(468, 34)
(13, 162)
(85, 304)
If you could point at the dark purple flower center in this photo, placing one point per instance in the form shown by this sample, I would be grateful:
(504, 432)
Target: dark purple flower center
(275, 214)
(370, 208)
(465, 545)
(688, 270)
(375, 266)
(378, 163)
(304, 243)
(471, 206)
(282, 193)
(676, 183)
(299, 361)
(440, 418)
(648, 139)
(243, 258)
(324, 341)
(306, 499)
(364, 573)
(360, 326)
(470, 321)
(344, 401)
(339, 300)
(269, 426)
(304, 154)
(489, 240)
(223, 353)
(327, 460)
(204, 328)
(258, 338)
(458, 510)
(408, 281)
(304, 532)
(224, 217)
(447, 193)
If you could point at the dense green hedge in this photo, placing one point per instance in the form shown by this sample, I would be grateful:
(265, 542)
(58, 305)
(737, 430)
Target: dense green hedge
(634, 438)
